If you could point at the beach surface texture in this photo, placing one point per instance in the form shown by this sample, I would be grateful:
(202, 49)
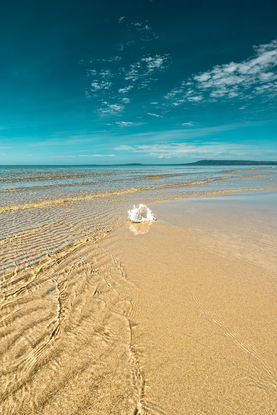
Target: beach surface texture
(99, 315)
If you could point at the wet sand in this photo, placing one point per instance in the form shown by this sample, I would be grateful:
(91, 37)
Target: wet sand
(204, 305)
(178, 317)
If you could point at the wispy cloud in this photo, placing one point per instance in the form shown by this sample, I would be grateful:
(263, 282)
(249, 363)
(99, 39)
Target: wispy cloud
(182, 150)
(113, 95)
(126, 89)
(66, 138)
(188, 124)
(145, 67)
(96, 85)
(154, 115)
(63, 156)
(84, 155)
(146, 31)
(251, 77)
(124, 123)
(96, 155)
(115, 80)
(201, 134)
(110, 109)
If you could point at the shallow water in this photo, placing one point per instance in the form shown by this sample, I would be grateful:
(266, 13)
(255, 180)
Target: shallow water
(65, 312)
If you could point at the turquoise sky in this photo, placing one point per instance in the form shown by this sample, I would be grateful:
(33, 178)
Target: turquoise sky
(148, 81)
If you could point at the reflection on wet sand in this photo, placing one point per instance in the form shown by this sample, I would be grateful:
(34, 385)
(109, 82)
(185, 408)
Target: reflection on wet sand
(139, 228)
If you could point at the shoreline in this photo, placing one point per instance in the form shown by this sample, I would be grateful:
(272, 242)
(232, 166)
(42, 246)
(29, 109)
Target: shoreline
(172, 317)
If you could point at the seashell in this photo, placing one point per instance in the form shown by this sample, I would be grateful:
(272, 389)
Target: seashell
(140, 214)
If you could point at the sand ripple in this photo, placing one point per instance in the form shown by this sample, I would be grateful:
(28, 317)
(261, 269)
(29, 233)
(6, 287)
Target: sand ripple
(66, 337)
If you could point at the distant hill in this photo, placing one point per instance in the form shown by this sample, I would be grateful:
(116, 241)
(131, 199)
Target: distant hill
(231, 163)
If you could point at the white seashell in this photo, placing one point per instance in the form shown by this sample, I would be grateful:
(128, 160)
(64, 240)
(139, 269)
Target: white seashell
(140, 214)
(134, 215)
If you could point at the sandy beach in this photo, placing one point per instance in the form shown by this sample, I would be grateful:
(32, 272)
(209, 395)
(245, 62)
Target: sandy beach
(204, 305)
(173, 317)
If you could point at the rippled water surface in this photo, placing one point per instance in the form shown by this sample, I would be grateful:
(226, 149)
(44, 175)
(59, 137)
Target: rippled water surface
(45, 208)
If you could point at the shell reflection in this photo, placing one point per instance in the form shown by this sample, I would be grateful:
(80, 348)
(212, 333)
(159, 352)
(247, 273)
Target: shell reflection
(139, 228)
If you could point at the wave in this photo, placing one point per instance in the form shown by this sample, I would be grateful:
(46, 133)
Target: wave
(54, 177)
(50, 186)
(215, 193)
(247, 170)
(47, 203)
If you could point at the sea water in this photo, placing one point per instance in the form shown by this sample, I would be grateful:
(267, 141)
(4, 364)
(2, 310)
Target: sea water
(45, 208)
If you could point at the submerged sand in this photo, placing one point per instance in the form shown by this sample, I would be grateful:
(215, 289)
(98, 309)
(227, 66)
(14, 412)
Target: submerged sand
(178, 317)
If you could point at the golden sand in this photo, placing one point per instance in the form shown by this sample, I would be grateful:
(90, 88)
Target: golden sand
(176, 317)
(204, 309)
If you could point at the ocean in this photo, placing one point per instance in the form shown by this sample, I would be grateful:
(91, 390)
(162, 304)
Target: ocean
(45, 208)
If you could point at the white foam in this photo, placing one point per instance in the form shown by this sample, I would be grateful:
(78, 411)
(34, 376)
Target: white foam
(140, 214)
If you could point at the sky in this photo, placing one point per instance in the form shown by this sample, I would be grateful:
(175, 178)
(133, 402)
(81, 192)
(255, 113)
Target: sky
(137, 81)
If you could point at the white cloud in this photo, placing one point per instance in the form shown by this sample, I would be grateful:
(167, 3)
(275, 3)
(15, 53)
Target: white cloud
(143, 69)
(253, 76)
(188, 124)
(84, 155)
(140, 27)
(110, 109)
(92, 72)
(154, 115)
(124, 123)
(146, 32)
(155, 62)
(96, 155)
(111, 85)
(106, 73)
(195, 98)
(126, 89)
(112, 59)
(115, 107)
(96, 85)
(230, 80)
(175, 91)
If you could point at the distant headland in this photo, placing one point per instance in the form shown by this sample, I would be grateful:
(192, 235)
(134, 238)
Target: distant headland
(212, 163)
(230, 163)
